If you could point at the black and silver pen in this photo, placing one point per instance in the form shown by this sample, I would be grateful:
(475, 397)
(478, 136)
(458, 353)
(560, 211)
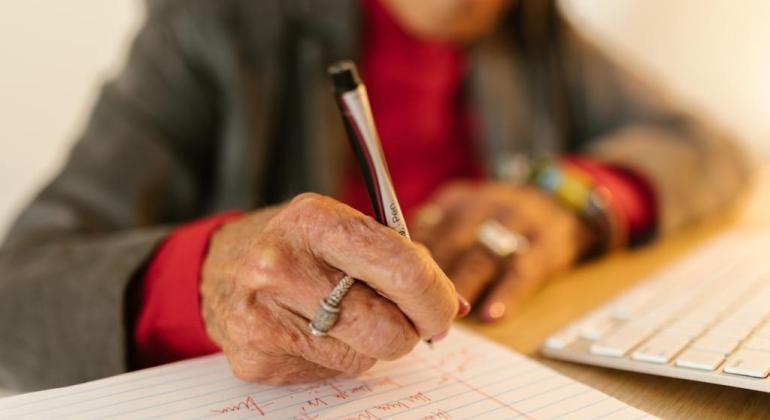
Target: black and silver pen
(353, 102)
(357, 116)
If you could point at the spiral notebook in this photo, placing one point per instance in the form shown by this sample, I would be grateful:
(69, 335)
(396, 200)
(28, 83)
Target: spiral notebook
(464, 376)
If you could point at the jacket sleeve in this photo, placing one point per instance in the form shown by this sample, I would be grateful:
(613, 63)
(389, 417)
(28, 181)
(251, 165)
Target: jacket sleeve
(694, 168)
(141, 164)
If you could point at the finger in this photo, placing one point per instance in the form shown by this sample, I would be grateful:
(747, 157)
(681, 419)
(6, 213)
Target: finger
(473, 272)
(253, 366)
(327, 351)
(257, 338)
(270, 343)
(479, 268)
(522, 278)
(439, 213)
(336, 355)
(368, 323)
(459, 234)
(398, 269)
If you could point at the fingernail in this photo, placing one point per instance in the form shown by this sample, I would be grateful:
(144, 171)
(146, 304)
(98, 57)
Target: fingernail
(438, 337)
(495, 311)
(463, 307)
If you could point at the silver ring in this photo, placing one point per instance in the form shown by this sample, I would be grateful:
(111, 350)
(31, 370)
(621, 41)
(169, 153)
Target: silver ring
(501, 241)
(326, 315)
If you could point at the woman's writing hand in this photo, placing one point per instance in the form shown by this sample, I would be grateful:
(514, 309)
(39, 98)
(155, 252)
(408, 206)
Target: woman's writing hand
(266, 274)
(449, 227)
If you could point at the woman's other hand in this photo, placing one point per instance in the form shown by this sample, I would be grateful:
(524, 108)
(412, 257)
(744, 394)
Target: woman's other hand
(449, 226)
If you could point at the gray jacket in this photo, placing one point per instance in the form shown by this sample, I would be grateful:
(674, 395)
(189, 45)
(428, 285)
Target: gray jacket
(225, 104)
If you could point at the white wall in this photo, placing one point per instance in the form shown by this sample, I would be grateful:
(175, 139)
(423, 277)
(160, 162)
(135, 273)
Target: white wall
(714, 54)
(53, 56)
(53, 53)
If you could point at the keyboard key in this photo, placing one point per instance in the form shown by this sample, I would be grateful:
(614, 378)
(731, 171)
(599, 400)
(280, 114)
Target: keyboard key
(749, 363)
(757, 343)
(700, 318)
(732, 330)
(653, 319)
(620, 341)
(594, 329)
(685, 330)
(628, 309)
(701, 360)
(763, 331)
(660, 349)
(562, 339)
(742, 317)
(750, 315)
(716, 344)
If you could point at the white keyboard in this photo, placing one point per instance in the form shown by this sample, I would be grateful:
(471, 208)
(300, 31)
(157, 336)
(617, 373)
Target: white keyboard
(705, 318)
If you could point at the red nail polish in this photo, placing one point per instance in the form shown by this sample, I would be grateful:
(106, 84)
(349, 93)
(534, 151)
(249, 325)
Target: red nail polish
(463, 307)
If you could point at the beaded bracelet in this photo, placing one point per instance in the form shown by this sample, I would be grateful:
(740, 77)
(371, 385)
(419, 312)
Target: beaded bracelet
(575, 190)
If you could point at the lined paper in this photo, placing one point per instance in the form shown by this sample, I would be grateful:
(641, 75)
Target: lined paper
(463, 377)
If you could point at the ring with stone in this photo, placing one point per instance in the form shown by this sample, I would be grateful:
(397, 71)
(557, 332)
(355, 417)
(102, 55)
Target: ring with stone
(502, 242)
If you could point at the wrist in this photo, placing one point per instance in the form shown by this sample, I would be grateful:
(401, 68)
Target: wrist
(632, 195)
(604, 226)
(587, 238)
(169, 325)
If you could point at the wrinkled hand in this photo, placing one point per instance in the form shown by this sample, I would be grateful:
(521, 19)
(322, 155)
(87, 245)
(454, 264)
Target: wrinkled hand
(557, 238)
(265, 275)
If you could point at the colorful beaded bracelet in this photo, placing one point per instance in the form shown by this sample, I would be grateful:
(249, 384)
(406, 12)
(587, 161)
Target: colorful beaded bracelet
(575, 190)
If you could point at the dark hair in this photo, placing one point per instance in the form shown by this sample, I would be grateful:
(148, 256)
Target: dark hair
(539, 32)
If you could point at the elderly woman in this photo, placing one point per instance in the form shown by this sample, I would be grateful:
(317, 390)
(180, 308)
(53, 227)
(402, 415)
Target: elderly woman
(490, 112)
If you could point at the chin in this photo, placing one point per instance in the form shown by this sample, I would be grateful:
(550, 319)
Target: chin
(462, 33)
(468, 27)
(450, 20)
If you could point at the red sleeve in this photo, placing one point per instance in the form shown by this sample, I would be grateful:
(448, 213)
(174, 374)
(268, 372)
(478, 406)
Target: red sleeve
(632, 194)
(169, 326)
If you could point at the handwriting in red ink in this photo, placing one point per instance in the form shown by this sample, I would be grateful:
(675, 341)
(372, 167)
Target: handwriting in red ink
(317, 402)
(314, 388)
(461, 359)
(406, 403)
(364, 415)
(248, 404)
(304, 415)
(339, 392)
(437, 415)
(358, 389)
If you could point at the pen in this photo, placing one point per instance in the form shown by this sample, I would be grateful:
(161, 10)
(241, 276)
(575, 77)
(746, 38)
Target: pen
(357, 116)
(353, 103)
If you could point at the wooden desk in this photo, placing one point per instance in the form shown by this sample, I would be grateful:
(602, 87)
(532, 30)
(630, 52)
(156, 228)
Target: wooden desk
(569, 296)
